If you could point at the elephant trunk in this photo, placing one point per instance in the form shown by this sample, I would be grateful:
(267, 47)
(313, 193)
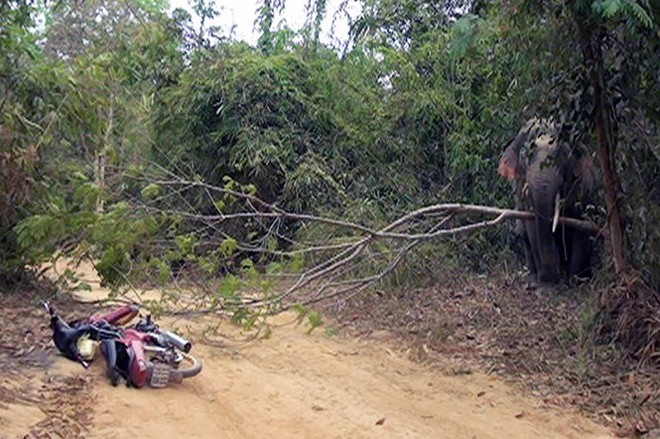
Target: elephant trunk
(545, 203)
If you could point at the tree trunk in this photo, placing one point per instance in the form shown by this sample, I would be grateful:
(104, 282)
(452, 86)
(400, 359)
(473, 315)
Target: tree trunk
(593, 57)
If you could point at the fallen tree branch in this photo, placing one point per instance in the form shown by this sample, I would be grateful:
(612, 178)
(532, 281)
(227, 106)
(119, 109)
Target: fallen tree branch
(451, 208)
(351, 259)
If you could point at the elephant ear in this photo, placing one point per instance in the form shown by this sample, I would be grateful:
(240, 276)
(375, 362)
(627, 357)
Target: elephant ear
(510, 167)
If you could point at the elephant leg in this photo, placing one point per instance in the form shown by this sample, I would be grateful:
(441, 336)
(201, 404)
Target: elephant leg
(564, 246)
(527, 247)
(532, 244)
(580, 255)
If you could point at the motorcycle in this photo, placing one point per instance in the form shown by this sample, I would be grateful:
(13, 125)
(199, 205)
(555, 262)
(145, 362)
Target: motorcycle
(140, 354)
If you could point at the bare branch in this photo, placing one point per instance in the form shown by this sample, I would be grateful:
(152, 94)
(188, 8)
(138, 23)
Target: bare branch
(355, 257)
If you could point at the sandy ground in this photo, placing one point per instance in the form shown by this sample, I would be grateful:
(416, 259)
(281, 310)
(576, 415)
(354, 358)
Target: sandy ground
(299, 385)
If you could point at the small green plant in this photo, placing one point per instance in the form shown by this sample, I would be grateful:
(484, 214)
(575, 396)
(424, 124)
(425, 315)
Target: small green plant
(313, 318)
(331, 331)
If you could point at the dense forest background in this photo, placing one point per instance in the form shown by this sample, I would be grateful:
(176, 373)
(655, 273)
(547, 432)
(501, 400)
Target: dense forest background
(127, 131)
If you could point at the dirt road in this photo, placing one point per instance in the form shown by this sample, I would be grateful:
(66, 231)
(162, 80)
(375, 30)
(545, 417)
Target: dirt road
(295, 385)
(299, 385)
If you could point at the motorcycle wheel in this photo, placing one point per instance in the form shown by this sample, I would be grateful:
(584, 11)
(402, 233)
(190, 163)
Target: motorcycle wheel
(190, 365)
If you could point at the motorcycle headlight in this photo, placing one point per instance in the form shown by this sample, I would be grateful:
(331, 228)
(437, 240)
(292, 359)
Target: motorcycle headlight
(86, 347)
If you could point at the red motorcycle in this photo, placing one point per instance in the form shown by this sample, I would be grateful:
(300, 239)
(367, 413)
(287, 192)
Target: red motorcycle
(141, 353)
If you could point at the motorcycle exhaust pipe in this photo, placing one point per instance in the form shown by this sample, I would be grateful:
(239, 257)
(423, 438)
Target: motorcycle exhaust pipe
(176, 340)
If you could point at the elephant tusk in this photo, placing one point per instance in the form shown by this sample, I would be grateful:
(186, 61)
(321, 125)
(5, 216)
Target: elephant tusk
(555, 218)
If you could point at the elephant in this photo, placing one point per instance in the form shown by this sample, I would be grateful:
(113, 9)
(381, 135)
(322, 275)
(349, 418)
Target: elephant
(551, 179)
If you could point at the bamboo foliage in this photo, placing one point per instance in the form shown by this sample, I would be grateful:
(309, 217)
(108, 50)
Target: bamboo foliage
(415, 111)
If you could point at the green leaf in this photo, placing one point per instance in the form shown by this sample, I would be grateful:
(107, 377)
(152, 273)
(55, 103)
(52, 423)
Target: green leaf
(164, 270)
(152, 190)
(297, 263)
(83, 287)
(186, 244)
(250, 189)
(315, 320)
(302, 312)
(271, 245)
(229, 287)
(228, 247)
(215, 299)
(274, 268)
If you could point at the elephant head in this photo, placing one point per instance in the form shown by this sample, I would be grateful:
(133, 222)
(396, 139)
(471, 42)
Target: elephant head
(550, 179)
